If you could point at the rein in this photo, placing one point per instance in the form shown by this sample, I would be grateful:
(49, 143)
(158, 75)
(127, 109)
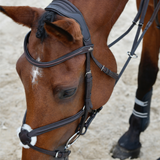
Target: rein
(138, 38)
(157, 21)
(87, 114)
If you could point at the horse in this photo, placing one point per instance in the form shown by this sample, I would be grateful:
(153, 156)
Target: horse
(56, 93)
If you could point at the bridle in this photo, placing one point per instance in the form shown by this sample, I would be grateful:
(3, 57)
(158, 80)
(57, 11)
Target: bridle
(87, 114)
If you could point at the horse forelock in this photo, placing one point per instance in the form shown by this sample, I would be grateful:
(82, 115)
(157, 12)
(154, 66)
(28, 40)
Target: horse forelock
(41, 33)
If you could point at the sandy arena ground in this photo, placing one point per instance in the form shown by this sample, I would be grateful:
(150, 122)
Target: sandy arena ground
(109, 125)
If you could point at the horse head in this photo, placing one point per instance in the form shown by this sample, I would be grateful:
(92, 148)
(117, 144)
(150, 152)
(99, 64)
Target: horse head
(55, 93)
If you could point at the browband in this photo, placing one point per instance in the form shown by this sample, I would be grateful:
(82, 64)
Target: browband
(57, 61)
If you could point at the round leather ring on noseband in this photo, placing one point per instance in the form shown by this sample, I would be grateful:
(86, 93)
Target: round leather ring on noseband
(26, 136)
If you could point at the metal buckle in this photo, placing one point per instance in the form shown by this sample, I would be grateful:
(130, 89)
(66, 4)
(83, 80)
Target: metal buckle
(72, 140)
(90, 49)
(132, 56)
(88, 72)
(56, 156)
(134, 22)
(102, 68)
(140, 24)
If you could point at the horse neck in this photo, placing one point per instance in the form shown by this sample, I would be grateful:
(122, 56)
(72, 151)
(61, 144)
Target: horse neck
(100, 16)
(100, 13)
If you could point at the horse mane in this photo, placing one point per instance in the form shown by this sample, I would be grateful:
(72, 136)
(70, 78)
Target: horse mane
(46, 17)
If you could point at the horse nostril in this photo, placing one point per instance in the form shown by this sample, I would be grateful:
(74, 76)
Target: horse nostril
(23, 135)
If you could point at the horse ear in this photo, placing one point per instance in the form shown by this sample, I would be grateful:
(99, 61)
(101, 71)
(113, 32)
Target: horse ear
(66, 30)
(58, 32)
(24, 15)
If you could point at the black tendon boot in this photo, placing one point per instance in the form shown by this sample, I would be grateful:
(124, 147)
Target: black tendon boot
(129, 144)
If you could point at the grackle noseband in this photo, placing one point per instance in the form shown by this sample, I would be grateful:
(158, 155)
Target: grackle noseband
(87, 114)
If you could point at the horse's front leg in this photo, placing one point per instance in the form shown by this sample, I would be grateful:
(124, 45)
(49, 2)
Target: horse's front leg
(129, 144)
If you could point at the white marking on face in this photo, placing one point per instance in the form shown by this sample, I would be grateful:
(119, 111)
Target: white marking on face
(36, 72)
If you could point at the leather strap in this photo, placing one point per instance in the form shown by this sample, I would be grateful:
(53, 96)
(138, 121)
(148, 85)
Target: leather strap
(131, 27)
(55, 125)
(55, 154)
(104, 69)
(88, 88)
(57, 61)
(156, 19)
(139, 38)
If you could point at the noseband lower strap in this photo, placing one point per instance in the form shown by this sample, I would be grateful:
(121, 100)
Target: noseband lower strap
(55, 125)
(56, 154)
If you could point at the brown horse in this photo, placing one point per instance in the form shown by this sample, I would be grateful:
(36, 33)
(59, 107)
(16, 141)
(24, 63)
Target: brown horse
(55, 93)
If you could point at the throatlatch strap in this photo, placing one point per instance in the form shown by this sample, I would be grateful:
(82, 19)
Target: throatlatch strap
(105, 69)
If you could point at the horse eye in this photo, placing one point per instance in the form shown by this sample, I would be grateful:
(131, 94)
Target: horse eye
(67, 93)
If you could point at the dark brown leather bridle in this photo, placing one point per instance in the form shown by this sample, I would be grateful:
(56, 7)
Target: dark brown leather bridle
(87, 114)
